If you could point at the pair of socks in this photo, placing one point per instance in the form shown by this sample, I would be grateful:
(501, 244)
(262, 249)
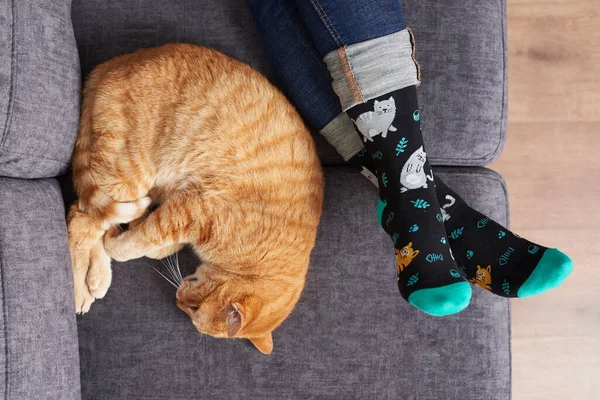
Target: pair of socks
(441, 243)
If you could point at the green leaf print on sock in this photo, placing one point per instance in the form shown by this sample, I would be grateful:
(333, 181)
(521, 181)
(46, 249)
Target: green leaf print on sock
(384, 179)
(456, 233)
(413, 279)
(401, 146)
(389, 219)
(377, 156)
(395, 238)
(420, 203)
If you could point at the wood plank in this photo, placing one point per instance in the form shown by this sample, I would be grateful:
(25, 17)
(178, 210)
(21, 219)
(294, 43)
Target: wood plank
(551, 164)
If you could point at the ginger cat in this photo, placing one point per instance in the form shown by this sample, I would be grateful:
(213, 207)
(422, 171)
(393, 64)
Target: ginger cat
(483, 277)
(230, 165)
(404, 256)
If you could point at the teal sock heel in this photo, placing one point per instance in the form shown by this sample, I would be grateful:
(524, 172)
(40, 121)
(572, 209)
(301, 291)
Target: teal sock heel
(444, 300)
(550, 272)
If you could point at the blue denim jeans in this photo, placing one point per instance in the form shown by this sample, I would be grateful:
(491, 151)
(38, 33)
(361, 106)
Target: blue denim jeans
(298, 34)
(300, 69)
(337, 23)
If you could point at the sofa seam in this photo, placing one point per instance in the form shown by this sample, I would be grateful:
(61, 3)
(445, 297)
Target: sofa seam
(10, 150)
(5, 323)
(13, 75)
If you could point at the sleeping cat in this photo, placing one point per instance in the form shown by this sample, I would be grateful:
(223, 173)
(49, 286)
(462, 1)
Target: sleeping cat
(231, 167)
(373, 123)
(413, 173)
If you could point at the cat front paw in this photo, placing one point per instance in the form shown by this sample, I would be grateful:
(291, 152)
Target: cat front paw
(99, 275)
(83, 297)
(81, 293)
(113, 246)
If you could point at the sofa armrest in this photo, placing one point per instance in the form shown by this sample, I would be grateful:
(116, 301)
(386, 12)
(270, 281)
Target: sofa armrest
(39, 356)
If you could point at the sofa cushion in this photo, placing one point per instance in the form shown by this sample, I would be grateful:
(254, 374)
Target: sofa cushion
(38, 335)
(350, 337)
(461, 49)
(39, 88)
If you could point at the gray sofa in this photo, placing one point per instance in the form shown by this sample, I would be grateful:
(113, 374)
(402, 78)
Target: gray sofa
(350, 337)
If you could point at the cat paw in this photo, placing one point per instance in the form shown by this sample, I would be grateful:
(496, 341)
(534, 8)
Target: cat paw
(99, 275)
(393, 128)
(112, 245)
(83, 298)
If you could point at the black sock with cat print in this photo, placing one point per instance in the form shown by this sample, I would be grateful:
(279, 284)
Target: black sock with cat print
(488, 254)
(428, 276)
(493, 257)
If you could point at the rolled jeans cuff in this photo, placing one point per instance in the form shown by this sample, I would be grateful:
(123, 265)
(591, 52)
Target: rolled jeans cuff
(342, 136)
(369, 69)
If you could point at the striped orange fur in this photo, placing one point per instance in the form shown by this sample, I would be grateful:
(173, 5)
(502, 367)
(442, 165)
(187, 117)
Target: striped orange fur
(229, 163)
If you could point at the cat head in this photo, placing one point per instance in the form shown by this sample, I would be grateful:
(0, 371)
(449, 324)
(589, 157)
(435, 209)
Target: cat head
(484, 274)
(385, 106)
(420, 155)
(224, 305)
(407, 252)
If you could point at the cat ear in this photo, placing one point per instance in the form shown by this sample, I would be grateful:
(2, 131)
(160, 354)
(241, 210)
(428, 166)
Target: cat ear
(233, 320)
(376, 102)
(264, 344)
(489, 269)
(392, 99)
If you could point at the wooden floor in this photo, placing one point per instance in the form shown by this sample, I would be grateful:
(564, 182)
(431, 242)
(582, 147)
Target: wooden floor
(551, 164)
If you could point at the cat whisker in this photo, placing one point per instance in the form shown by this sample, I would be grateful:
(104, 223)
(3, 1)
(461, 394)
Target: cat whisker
(169, 268)
(161, 274)
(178, 269)
(173, 261)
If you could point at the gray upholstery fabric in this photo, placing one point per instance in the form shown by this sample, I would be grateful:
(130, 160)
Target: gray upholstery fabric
(461, 50)
(38, 337)
(350, 337)
(39, 88)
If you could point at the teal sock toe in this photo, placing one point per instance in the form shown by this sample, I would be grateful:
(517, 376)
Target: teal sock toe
(381, 204)
(550, 272)
(444, 300)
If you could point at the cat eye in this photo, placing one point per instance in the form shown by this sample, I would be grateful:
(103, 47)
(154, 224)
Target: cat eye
(193, 308)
